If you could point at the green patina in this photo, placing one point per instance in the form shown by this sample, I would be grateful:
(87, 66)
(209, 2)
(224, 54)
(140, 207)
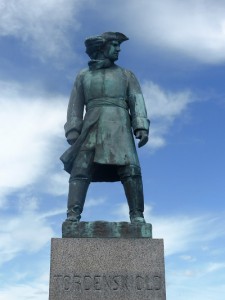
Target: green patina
(102, 139)
(102, 229)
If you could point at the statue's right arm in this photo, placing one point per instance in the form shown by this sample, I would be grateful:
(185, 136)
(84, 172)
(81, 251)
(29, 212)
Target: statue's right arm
(75, 111)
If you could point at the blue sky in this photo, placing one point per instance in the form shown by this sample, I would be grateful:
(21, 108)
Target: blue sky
(177, 51)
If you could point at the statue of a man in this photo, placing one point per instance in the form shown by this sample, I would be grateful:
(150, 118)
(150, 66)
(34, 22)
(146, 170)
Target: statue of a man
(102, 142)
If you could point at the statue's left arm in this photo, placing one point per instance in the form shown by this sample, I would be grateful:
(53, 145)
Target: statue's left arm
(139, 119)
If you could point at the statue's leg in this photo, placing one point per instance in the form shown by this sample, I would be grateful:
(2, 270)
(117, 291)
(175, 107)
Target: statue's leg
(78, 185)
(131, 179)
(76, 198)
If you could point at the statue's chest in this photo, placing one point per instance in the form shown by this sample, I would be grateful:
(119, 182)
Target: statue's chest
(109, 82)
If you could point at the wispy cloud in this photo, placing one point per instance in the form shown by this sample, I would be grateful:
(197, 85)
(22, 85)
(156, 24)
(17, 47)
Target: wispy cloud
(32, 130)
(188, 258)
(193, 28)
(191, 271)
(163, 107)
(181, 233)
(29, 126)
(58, 183)
(214, 266)
(20, 234)
(195, 282)
(36, 289)
(42, 25)
(91, 202)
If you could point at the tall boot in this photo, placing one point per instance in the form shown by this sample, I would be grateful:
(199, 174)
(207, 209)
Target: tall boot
(76, 198)
(134, 192)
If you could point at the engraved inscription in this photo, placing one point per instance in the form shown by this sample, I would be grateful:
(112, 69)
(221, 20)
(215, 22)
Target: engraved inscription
(67, 282)
(148, 283)
(107, 282)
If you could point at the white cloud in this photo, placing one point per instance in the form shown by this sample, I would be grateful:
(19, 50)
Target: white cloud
(29, 125)
(91, 202)
(34, 289)
(185, 286)
(163, 108)
(24, 232)
(185, 233)
(193, 28)
(188, 258)
(201, 280)
(215, 266)
(31, 129)
(198, 276)
(165, 104)
(43, 25)
(180, 233)
(52, 213)
(58, 183)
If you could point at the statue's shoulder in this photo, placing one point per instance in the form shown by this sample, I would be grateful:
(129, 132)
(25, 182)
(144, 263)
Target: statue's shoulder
(82, 72)
(130, 77)
(80, 75)
(125, 71)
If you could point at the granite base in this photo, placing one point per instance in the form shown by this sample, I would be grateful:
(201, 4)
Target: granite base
(107, 268)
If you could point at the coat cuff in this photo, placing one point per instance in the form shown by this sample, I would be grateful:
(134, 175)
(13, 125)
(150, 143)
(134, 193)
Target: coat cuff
(139, 123)
(74, 124)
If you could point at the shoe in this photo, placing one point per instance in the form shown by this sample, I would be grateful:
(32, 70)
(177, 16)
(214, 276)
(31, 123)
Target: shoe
(137, 220)
(73, 219)
(72, 216)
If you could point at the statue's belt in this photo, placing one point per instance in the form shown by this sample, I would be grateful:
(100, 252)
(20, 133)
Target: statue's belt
(119, 102)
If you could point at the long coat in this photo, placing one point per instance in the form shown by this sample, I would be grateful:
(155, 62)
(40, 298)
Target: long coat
(114, 106)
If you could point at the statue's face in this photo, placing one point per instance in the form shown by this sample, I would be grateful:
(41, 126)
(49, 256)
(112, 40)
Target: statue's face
(111, 50)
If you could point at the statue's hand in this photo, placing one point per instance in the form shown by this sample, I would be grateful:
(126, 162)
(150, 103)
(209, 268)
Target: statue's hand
(72, 137)
(142, 135)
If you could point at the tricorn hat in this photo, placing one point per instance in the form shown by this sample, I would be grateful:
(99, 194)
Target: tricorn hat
(95, 43)
(117, 36)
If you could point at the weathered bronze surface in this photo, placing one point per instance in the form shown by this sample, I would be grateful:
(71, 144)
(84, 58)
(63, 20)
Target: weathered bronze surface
(102, 229)
(102, 140)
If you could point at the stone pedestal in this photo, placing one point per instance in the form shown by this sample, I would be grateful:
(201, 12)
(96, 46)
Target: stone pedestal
(107, 268)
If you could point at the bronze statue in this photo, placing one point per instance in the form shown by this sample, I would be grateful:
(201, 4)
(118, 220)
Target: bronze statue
(102, 143)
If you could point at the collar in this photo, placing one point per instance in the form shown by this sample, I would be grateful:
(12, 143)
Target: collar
(96, 64)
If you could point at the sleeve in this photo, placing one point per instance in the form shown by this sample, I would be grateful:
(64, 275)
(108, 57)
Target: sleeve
(139, 118)
(76, 107)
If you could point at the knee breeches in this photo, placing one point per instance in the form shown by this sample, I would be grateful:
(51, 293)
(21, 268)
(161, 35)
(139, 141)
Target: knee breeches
(84, 166)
